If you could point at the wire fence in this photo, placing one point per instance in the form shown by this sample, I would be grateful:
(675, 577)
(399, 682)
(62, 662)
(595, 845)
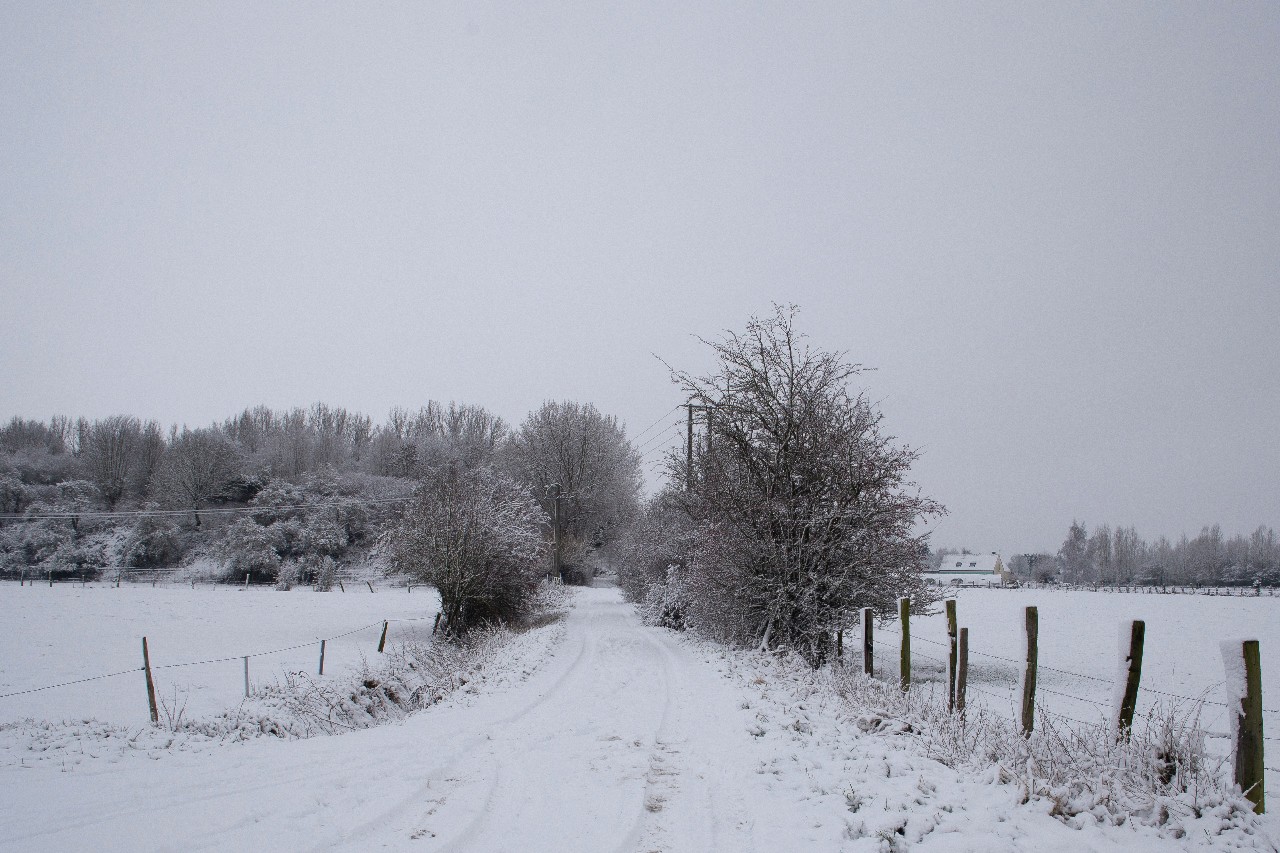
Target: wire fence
(226, 659)
(1104, 710)
(1200, 700)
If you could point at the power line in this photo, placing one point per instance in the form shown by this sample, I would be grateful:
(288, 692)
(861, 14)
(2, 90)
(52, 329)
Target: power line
(166, 513)
(657, 437)
(662, 418)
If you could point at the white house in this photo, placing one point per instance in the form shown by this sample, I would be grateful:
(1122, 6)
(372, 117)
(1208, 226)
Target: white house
(983, 569)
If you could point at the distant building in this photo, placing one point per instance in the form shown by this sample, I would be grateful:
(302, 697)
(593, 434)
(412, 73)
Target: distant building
(981, 569)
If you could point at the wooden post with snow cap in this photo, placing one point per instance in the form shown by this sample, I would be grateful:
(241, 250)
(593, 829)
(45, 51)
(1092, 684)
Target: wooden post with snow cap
(1132, 679)
(1243, 662)
(953, 656)
(1032, 624)
(904, 660)
(868, 647)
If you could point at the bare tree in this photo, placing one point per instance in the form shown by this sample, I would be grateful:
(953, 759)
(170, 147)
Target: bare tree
(197, 466)
(588, 455)
(803, 505)
(109, 450)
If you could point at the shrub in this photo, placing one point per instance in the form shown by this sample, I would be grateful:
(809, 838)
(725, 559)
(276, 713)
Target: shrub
(475, 536)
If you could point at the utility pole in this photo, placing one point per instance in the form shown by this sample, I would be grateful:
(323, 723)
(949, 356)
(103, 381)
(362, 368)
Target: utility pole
(557, 534)
(688, 448)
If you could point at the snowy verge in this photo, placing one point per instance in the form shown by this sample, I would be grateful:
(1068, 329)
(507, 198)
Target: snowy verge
(911, 775)
(409, 677)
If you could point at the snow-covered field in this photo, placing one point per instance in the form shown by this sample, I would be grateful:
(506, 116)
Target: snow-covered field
(64, 633)
(1079, 657)
(594, 733)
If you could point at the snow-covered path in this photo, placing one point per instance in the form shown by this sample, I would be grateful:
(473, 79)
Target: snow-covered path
(620, 740)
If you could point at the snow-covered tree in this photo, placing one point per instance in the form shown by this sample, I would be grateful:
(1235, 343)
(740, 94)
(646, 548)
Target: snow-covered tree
(1074, 554)
(803, 506)
(198, 466)
(475, 536)
(588, 455)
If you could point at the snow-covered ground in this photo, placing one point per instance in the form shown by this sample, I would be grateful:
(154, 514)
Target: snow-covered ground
(1078, 651)
(64, 633)
(595, 733)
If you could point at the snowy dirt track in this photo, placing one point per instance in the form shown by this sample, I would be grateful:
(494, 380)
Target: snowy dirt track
(610, 736)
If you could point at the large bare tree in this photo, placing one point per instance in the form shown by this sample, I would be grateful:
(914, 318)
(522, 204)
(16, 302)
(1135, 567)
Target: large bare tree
(803, 504)
(588, 455)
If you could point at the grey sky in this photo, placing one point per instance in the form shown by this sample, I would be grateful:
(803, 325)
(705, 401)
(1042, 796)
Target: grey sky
(1054, 229)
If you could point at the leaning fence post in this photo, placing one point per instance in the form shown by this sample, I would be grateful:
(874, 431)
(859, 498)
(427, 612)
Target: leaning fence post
(954, 654)
(904, 660)
(868, 646)
(1133, 677)
(151, 685)
(382, 641)
(322, 657)
(962, 670)
(1029, 672)
(370, 583)
(1242, 659)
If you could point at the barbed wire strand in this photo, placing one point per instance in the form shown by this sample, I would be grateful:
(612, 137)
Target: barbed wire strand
(69, 683)
(1109, 682)
(212, 660)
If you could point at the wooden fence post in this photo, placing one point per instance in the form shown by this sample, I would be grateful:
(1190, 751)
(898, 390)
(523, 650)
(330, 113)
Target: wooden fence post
(246, 580)
(1244, 686)
(370, 583)
(322, 657)
(382, 641)
(246, 676)
(962, 670)
(840, 646)
(341, 587)
(1029, 672)
(904, 659)
(1133, 677)
(954, 653)
(868, 646)
(151, 685)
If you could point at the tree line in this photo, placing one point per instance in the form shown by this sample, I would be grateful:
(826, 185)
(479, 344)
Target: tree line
(1119, 556)
(315, 488)
(790, 511)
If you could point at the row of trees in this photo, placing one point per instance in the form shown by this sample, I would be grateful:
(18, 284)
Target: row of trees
(795, 511)
(1120, 556)
(316, 488)
(127, 459)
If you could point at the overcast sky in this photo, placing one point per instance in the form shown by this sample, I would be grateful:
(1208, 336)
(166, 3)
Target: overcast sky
(1053, 229)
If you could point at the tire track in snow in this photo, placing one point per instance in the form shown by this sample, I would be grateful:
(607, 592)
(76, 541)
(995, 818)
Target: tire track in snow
(565, 772)
(674, 771)
(439, 776)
